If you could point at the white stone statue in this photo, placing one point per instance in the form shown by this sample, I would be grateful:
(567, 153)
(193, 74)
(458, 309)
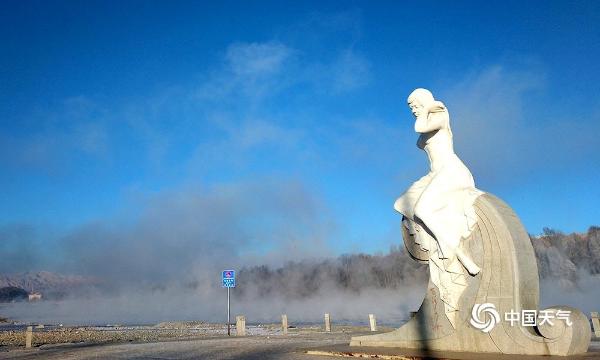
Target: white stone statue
(481, 261)
(438, 208)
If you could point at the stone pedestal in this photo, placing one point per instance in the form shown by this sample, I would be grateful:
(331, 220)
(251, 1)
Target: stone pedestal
(29, 336)
(284, 324)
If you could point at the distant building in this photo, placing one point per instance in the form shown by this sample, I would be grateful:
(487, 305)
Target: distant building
(35, 296)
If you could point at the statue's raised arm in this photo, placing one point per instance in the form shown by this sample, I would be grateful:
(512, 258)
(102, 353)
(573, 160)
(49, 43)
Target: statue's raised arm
(433, 116)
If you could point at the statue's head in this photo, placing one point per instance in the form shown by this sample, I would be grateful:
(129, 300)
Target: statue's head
(418, 99)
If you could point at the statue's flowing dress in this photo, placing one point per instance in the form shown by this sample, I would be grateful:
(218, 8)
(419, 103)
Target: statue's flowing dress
(443, 201)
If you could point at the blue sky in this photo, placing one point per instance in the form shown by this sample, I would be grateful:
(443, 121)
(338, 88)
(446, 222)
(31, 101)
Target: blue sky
(290, 116)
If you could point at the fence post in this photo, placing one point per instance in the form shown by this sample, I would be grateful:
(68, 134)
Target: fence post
(373, 322)
(29, 336)
(240, 325)
(284, 324)
(327, 323)
(596, 323)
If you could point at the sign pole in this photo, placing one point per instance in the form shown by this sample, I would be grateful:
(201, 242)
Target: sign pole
(228, 313)
(228, 279)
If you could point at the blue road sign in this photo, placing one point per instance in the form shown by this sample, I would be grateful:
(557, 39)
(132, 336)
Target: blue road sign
(228, 278)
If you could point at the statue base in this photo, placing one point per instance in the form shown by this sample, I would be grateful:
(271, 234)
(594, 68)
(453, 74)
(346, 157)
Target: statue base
(508, 280)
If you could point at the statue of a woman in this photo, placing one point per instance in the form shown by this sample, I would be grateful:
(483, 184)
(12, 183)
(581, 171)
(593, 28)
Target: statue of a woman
(441, 202)
(444, 215)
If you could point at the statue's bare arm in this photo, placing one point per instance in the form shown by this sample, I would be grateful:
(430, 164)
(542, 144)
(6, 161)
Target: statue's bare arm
(426, 123)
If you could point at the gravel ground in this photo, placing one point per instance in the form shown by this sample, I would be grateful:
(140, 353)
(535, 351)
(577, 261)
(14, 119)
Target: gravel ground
(108, 334)
(15, 338)
(278, 346)
(181, 340)
(173, 340)
(285, 347)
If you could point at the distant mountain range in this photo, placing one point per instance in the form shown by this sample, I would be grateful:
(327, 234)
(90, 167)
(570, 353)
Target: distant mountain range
(561, 257)
(50, 284)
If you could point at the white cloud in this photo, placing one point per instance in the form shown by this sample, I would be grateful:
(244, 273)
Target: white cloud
(499, 129)
(486, 114)
(257, 59)
(250, 70)
(350, 71)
